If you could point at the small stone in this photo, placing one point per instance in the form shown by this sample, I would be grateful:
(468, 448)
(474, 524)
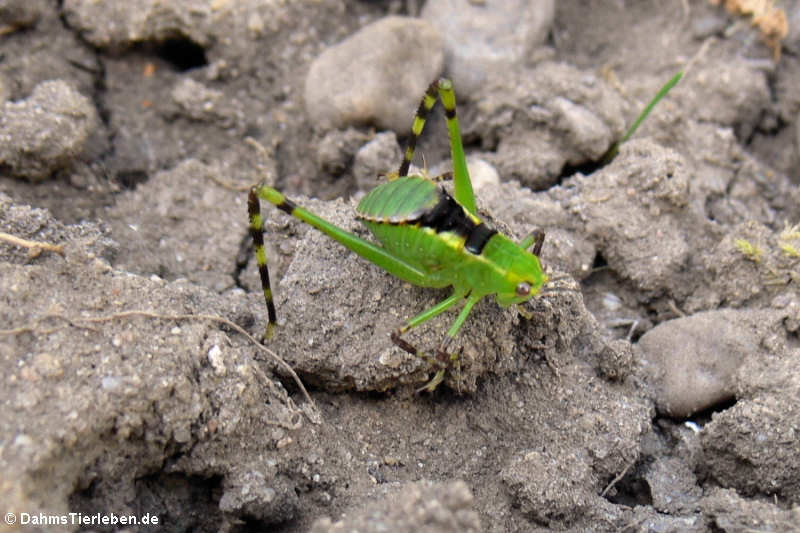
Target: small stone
(550, 488)
(392, 358)
(47, 365)
(182, 434)
(482, 174)
(335, 151)
(20, 14)
(615, 360)
(111, 382)
(119, 25)
(589, 134)
(673, 486)
(545, 117)
(216, 360)
(376, 76)
(485, 39)
(693, 360)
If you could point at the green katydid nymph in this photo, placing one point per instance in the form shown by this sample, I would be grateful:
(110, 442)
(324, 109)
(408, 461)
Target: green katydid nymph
(426, 237)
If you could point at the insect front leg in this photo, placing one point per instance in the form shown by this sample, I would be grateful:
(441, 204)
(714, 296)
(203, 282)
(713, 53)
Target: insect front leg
(424, 316)
(536, 238)
(441, 354)
(442, 359)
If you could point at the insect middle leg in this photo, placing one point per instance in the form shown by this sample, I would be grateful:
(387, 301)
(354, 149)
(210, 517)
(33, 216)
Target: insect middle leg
(424, 316)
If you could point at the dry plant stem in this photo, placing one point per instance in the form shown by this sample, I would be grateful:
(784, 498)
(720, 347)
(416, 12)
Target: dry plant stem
(616, 479)
(149, 314)
(233, 186)
(227, 184)
(258, 147)
(34, 247)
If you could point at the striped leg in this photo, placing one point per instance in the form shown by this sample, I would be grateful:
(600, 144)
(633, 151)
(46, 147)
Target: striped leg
(443, 88)
(427, 103)
(365, 249)
(257, 233)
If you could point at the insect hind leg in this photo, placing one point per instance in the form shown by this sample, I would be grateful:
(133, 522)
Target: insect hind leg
(257, 233)
(366, 249)
(427, 103)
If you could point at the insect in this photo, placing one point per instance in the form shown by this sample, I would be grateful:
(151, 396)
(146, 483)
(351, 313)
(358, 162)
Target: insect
(426, 237)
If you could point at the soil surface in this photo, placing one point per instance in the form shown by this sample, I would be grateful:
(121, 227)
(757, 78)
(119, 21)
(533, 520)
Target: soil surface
(652, 385)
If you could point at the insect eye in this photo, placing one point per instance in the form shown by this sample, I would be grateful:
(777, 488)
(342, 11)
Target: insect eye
(523, 289)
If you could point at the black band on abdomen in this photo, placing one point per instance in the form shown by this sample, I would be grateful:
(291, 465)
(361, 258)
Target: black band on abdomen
(478, 238)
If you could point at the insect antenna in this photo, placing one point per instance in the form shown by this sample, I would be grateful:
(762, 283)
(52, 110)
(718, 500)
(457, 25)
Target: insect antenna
(553, 290)
(550, 287)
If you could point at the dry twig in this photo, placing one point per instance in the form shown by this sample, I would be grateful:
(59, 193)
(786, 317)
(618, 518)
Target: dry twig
(34, 247)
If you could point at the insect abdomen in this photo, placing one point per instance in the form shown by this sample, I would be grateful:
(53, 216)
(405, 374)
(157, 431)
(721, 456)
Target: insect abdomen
(420, 222)
(420, 246)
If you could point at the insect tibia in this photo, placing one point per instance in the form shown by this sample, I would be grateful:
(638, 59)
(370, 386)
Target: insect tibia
(257, 233)
(270, 331)
(427, 103)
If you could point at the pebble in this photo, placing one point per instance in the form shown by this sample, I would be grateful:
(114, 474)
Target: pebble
(673, 486)
(335, 150)
(485, 39)
(588, 133)
(122, 24)
(217, 360)
(693, 360)
(376, 76)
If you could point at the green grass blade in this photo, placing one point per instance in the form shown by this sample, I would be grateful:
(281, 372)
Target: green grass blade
(612, 152)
